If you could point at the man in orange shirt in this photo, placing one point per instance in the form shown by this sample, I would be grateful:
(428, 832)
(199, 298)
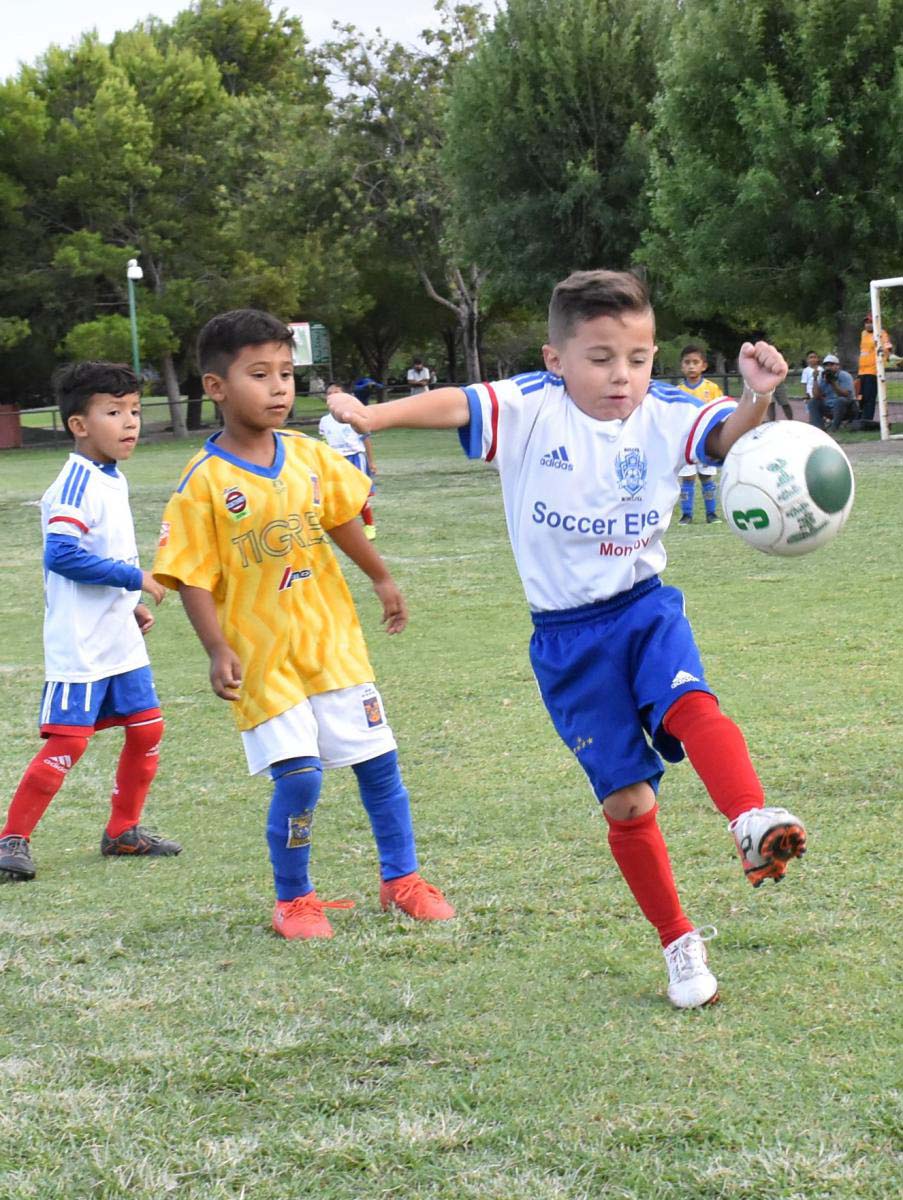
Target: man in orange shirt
(868, 366)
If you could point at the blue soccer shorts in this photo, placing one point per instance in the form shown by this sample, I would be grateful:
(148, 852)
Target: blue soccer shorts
(609, 672)
(360, 461)
(80, 708)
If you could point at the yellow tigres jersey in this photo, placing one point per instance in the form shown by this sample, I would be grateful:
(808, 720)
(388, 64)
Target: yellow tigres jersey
(706, 390)
(254, 537)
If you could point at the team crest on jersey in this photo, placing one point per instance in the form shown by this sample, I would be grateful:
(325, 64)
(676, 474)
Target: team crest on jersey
(315, 488)
(372, 711)
(164, 534)
(631, 467)
(236, 503)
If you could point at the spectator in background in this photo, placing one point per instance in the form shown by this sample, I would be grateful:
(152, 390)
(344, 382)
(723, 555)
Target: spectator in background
(868, 365)
(834, 391)
(810, 373)
(419, 377)
(780, 398)
(364, 388)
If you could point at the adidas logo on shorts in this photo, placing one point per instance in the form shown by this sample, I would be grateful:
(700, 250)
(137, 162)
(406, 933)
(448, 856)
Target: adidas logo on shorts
(681, 678)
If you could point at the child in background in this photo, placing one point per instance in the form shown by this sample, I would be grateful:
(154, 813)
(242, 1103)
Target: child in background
(356, 449)
(588, 452)
(693, 364)
(244, 541)
(95, 660)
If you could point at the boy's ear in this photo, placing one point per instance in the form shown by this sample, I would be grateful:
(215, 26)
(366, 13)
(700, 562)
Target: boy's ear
(76, 425)
(552, 359)
(214, 385)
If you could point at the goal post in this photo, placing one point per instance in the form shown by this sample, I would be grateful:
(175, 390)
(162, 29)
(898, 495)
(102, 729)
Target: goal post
(874, 292)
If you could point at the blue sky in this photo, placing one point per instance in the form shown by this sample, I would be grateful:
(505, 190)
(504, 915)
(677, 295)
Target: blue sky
(30, 27)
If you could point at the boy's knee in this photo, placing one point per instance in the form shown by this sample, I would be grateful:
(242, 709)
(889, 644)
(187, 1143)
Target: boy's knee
(625, 803)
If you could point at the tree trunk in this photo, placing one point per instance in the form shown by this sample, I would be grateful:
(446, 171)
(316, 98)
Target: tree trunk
(176, 407)
(450, 337)
(847, 326)
(466, 308)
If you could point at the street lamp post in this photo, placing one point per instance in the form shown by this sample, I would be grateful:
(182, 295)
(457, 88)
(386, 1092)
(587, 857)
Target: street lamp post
(134, 272)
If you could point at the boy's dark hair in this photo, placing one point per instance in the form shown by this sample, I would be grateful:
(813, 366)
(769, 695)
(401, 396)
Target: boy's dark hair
(694, 348)
(808, 352)
(226, 335)
(587, 294)
(75, 383)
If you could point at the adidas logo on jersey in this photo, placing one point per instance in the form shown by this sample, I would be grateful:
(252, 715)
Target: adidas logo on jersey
(683, 677)
(62, 762)
(558, 459)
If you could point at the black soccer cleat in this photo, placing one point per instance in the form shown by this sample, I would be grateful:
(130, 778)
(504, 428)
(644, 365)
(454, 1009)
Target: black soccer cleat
(138, 841)
(16, 863)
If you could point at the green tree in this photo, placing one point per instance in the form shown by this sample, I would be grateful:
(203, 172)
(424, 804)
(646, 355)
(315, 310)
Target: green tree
(390, 132)
(547, 138)
(779, 150)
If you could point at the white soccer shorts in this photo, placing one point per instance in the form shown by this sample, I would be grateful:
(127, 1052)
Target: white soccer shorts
(340, 728)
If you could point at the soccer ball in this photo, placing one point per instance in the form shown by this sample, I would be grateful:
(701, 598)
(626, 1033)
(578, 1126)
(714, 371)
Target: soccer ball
(786, 488)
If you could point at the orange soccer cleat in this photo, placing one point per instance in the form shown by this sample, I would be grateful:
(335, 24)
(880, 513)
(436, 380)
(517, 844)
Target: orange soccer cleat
(414, 896)
(303, 917)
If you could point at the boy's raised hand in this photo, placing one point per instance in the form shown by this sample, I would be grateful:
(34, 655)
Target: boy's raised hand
(762, 366)
(349, 410)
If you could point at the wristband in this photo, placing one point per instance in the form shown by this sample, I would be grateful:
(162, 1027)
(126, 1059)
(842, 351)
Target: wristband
(756, 396)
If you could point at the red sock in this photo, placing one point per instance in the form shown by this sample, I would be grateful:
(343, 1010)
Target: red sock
(640, 851)
(43, 778)
(367, 515)
(717, 749)
(137, 767)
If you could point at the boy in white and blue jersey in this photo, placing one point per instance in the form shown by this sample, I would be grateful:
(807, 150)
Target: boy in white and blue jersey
(95, 661)
(354, 447)
(588, 453)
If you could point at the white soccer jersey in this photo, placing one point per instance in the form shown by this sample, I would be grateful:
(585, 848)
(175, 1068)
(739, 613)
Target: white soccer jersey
(90, 630)
(586, 501)
(342, 437)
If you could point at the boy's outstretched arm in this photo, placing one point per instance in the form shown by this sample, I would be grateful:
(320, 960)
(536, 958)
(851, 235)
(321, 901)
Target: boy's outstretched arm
(350, 537)
(225, 665)
(444, 408)
(763, 368)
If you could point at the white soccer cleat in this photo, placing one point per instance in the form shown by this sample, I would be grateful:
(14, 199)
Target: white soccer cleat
(690, 982)
(767, 838)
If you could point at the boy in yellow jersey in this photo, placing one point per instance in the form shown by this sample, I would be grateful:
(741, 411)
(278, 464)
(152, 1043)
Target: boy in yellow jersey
(693, 365)
(244, 541)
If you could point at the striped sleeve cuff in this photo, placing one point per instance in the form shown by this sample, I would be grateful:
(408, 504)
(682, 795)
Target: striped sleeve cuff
(713, 414)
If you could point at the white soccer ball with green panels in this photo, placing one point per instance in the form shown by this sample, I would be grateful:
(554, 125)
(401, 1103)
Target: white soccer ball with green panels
(786, 488)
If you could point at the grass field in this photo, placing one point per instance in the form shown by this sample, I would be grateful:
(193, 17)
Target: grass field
(157, 1040)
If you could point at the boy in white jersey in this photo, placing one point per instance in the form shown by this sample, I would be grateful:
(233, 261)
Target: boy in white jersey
(245, 541)
(95, 661)
(693, 365)
(356, 449)
(588, 453)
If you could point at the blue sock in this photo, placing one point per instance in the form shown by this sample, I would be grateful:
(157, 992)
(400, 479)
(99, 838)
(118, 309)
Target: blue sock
(709, 494)
(687, 489)
(385, 798)
(296, 790)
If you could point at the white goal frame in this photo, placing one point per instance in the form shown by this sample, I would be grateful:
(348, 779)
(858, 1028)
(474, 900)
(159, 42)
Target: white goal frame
(874, 288)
